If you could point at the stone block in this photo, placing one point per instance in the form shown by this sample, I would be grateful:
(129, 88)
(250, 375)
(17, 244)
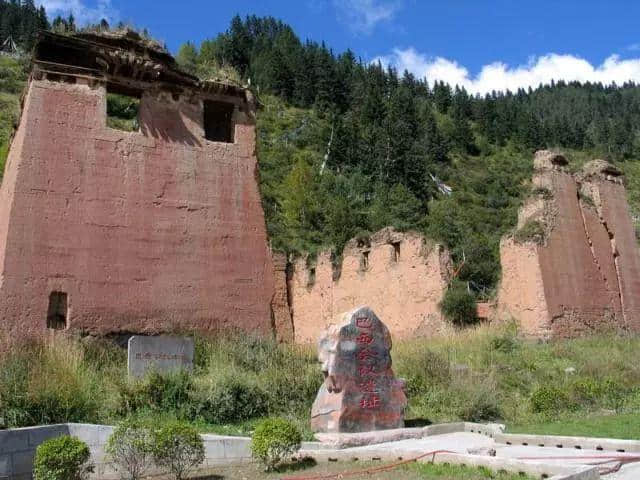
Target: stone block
(14, 440)
(237, 449)
(163, 354)
(22, 462)
(360, 392)
(6, 466)
(38, 435)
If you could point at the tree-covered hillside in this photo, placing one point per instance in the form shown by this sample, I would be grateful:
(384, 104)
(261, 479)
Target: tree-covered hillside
(347, 147)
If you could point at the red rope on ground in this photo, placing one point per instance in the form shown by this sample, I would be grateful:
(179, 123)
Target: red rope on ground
(368, 471)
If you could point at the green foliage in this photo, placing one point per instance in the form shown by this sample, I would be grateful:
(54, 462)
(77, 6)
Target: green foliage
(232, 398)
(122, 112)
(483, 407)
(187, 57)
(531, 231)
(275, 440)
(130, 448)
(238, 379)
(458, 305)
(549, 399)
(49, 383)
(178, 448)
(13, 75)
(62, 458)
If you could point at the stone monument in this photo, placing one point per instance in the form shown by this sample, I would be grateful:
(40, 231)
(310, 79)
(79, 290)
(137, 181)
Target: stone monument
(162, 354)
(360, 392)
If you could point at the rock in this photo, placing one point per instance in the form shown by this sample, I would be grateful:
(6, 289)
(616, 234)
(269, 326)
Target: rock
(163, 354)
(360, 392)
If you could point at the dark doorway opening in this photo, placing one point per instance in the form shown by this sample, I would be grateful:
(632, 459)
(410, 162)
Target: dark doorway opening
(218, 121)
(57, 313)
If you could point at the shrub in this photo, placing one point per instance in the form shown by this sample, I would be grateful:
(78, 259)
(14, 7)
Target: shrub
(548, 399)
(274, 440)
(178, 448)
(62, 458)
(129, 448)
(458, 305)
(483, 408)
(531, 231)
(165, 392)
(232, 397)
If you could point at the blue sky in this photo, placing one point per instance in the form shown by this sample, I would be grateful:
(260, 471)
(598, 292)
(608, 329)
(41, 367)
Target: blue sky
(480, 44)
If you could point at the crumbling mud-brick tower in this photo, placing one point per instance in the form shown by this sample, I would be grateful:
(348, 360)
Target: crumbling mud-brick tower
(573, 266)
(103, 230)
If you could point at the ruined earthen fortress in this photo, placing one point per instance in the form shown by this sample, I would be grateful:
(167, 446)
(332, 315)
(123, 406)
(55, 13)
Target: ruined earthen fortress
(106, 231)
(103, 230)
(573, 266)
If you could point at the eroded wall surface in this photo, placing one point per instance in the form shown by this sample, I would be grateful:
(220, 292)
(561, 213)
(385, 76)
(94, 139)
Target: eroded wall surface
(585, 276)
(146, 231)
(402, 277)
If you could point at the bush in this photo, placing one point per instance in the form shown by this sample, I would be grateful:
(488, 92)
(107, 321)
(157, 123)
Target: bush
(167, 393)
(232, 397)
(130, 448)
(274, 440)
(548, 399)
(532, 231)
(483, 408)
(178, 448)
(62, 458)
(458, 305)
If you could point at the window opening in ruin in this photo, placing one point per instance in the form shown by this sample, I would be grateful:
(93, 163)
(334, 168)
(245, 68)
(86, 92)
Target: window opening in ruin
(123, 108)
(365, 260)
(57, 313)
(218, 121)
(396, 251)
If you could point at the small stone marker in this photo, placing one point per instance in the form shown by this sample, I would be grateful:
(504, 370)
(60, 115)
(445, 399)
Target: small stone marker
(360, 392)
(162, 354)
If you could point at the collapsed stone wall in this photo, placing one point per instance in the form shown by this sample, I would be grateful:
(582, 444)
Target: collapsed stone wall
(146, 231)
(573, 265)
(401, 276)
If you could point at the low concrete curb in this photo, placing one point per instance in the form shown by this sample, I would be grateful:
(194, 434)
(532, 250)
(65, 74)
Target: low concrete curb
(535, 469)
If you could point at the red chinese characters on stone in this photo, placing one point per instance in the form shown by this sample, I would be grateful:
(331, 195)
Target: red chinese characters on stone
(367, 354)
(370, 401)
(364, 322)
(366, 370)
(364, 339)
(369, 386)
(355, 355)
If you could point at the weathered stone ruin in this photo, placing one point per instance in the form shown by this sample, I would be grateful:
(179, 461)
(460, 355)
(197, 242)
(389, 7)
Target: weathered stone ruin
(360, 392)
(402, 276)
(103, 230)
(573, 265)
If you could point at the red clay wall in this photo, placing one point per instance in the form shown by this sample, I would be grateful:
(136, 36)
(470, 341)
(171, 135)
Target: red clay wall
(144, 231)
(402, 280)
(585, 277)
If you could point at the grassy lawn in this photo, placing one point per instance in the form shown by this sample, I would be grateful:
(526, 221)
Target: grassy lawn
(414, 471)
(624, 426)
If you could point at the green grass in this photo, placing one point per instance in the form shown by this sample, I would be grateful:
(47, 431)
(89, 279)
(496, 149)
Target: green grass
(412, 471)
(625, 426)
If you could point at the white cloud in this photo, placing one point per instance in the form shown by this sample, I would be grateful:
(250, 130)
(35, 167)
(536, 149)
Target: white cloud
(500, 76)
(362, 16)
(82, 11)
